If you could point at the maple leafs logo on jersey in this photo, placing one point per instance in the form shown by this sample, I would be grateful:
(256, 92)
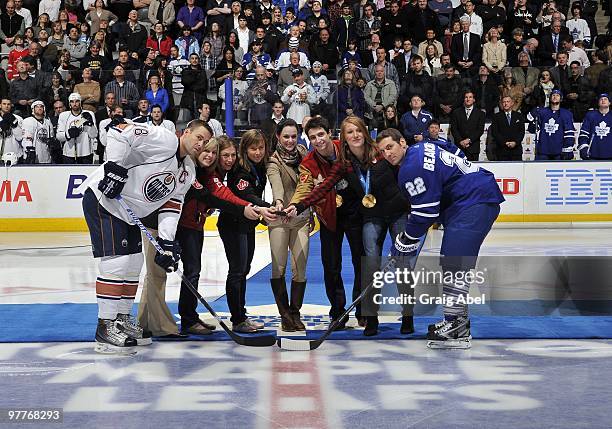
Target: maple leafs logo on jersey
(197, 185)
(551, 127)
(602, 130)
(242, 184)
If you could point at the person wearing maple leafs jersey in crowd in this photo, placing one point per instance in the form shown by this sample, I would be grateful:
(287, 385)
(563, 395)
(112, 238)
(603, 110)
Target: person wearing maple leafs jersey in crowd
(554, 128)
(207, 193)
(595, 138)
(247, 180)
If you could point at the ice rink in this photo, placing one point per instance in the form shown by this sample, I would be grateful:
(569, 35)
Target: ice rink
(518, 383)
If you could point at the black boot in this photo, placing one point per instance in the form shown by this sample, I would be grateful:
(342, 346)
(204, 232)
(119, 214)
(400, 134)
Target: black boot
(407, 325)
(371, 327)
(279, 289)
(297, 298)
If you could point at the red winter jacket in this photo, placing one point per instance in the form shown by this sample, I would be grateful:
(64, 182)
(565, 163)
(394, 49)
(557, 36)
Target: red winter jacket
(163, 47)
(194, 210)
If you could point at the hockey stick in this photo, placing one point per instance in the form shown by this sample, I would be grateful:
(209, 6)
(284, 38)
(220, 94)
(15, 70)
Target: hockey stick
(254, 341)
(304, 345)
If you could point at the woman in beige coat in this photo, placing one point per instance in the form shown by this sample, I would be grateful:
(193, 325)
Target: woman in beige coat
(98, 14)
(291, 235)
(494, 54)
(168, 12)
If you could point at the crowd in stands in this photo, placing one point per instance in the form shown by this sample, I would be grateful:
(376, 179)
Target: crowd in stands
(396, 63)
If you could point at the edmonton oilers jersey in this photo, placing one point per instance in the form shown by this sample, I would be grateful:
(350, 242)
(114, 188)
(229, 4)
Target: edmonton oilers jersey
(440, 185)
(157, 177)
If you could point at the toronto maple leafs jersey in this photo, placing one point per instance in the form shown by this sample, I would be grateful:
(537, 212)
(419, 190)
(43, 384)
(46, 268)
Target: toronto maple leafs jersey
(413, 125)
(556, 130)
(595, 138)
(157, 177)
(440, 185)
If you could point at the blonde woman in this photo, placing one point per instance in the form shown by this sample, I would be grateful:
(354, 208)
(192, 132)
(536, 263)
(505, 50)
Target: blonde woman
(292, 235)
(494, 53)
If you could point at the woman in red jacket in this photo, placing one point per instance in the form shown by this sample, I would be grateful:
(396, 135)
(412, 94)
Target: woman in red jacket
(159, 41)
(206, 193)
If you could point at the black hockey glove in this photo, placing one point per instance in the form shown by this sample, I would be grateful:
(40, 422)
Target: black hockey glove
(116, 120)
(88, 119)
(8, 121)
(30, 155)
(170, 258)
(404, 245)
(74, 132)
(114, 179)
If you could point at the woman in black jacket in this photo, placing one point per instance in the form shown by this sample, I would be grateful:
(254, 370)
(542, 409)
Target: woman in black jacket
(247, 180)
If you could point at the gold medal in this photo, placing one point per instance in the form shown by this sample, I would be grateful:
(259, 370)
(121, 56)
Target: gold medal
(368, 201)
(339, 200)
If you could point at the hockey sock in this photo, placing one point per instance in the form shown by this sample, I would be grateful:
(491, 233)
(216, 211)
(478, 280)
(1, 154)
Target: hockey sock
(130, 283)
(452, 292)
(109, 285)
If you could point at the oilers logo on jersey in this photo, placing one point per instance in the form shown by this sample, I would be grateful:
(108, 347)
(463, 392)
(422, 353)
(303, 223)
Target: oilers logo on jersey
(158, 186)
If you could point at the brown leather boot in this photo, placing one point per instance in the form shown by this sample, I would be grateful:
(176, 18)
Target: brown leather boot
(279, 289)
(297, 298)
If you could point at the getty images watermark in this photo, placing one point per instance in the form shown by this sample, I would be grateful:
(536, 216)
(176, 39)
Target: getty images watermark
(408, 280)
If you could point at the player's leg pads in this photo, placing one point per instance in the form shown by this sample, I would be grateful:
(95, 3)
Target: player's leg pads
(109, 285)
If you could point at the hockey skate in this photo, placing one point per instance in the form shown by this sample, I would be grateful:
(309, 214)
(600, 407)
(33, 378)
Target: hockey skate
(451, 335)
(129, 325)
(110, 340)
(435, 326)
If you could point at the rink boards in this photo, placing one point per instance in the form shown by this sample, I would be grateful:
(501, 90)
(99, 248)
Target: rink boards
(44, 198)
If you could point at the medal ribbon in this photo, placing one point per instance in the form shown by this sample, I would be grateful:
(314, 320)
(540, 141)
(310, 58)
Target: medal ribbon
(254, 171)
(365, 181)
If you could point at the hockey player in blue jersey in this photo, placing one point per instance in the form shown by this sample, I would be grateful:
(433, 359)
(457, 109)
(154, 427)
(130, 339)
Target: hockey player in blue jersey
(445, 188)
(595, 138)
(434, 137)
(555, 139)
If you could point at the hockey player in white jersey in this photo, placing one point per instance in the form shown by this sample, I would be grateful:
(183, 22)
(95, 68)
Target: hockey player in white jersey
(76, 129)
(11, 133)
(37, 136)
(152, 170)
(104, 125)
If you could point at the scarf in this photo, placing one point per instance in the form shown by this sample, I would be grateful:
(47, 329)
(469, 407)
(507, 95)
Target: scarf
(547, 88)
(291, 158)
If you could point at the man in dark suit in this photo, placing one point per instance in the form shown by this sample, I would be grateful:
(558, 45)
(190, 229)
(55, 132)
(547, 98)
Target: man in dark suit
(402, 62)
(467, 58)
(467, 126)
(506, 133)
(550, 44)
(368, 56)
(104, 111)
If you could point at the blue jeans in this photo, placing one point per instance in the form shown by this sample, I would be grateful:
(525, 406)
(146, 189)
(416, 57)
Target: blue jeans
(374, 233)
